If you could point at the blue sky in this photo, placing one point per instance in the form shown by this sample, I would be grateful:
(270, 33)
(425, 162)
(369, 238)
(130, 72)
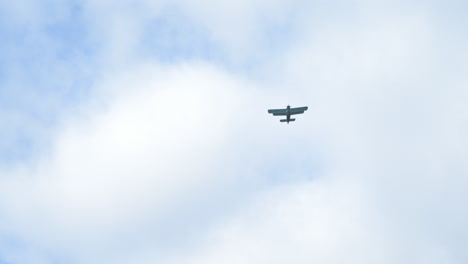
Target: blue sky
(43, 73)
(136, 132)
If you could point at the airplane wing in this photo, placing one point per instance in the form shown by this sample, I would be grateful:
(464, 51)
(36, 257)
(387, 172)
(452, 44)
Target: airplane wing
(298, 110)
(277, 112)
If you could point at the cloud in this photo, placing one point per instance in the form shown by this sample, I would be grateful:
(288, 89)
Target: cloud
(110, 171)
(324, 221)
(179, 163)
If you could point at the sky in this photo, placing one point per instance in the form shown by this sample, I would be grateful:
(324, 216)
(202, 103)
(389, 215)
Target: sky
(137, 131)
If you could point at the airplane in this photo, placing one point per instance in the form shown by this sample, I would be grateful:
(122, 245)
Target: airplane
(288, 112)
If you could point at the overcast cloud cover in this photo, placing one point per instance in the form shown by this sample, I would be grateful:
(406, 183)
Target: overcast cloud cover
(137, 132)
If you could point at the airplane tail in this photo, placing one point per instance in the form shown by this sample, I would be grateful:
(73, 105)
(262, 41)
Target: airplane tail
(290, 120)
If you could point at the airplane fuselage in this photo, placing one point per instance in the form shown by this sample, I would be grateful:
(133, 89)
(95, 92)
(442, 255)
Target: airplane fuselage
(288, 114)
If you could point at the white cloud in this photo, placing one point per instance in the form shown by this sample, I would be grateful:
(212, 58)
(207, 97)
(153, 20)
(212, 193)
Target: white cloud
(323, 221)
(173, 164)
(119, 169)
